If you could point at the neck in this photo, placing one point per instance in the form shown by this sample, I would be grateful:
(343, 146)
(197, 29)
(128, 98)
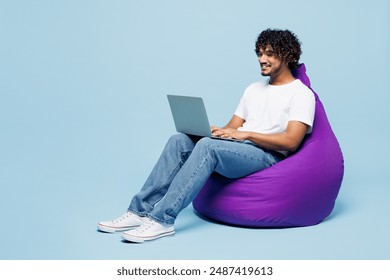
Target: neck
(281, 78)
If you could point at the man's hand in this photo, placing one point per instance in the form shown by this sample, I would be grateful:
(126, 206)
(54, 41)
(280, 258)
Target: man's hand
(286, 141)
(228, 132)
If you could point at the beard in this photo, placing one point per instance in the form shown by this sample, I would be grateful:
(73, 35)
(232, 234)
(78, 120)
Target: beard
(271, 71)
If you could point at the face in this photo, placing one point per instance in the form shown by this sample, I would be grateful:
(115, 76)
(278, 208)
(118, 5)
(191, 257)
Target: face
(270, 64)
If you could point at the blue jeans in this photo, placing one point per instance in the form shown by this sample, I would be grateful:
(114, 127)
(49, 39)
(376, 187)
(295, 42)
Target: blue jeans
(184, 167)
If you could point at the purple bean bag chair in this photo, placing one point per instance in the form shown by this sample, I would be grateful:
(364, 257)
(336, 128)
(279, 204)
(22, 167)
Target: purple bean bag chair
(298, 191)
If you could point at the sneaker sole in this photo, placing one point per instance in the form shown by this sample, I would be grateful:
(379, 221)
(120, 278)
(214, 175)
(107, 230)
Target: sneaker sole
(137, 239)
(108, 229)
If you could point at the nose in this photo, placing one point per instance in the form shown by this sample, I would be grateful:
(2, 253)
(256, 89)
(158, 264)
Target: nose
(262, 59)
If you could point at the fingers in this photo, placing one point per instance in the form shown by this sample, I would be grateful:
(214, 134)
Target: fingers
(217, 132)
(214, 129)
(225, 133)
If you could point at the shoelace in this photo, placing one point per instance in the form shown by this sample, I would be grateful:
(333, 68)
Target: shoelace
(145, 226)
(121, 218)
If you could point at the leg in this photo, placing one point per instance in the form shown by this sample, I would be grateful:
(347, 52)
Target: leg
(176, 152)
(174, 155)
(230, 159)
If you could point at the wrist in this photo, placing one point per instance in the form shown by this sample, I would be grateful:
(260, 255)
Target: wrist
(247, 135)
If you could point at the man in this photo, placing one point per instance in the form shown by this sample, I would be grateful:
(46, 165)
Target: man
(272, 118)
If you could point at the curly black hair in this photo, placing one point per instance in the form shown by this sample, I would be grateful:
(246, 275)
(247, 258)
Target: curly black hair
(284, 43)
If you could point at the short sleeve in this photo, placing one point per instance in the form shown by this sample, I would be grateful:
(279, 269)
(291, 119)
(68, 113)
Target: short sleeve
(240, 110)
(302, 108)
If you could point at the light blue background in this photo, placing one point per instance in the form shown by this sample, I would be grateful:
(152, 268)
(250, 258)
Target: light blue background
(84, 116)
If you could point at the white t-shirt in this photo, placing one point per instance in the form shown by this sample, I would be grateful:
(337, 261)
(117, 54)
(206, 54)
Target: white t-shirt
(268, 109)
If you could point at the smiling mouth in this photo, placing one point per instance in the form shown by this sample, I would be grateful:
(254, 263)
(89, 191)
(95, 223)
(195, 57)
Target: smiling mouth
(265, 66)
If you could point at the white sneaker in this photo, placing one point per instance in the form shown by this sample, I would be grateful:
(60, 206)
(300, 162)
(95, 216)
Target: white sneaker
(149, 230)
(125, 222)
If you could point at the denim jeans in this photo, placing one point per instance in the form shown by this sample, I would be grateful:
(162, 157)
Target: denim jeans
(185, 165)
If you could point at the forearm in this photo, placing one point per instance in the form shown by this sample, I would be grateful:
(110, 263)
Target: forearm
(234, 123)
(285, 141)
(276, 142)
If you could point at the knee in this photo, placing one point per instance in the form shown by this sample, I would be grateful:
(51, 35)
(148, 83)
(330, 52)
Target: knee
(206, 144)
(178, 137)
(180, 140)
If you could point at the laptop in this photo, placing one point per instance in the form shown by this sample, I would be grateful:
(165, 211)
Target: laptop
(190, 117)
